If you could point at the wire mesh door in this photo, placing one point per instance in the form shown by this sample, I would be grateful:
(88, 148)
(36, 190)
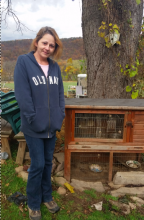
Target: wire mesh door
(99, 125)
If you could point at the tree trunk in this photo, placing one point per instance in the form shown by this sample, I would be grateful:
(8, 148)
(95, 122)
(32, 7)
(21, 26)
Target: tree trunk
(104, 78)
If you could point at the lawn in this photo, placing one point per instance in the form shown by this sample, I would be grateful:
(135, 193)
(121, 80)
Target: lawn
(76, 206)
(65, 83)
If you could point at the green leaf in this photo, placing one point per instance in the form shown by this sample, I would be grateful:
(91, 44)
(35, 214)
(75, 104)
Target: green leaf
(118, 42)
(116, 31)
(138, 1)
(133, 73)
(121, 70)
(128, 89)
(115, 26)
(127, 65)
(134, 94)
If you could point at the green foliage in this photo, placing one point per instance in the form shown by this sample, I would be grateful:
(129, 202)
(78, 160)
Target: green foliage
(132, 72)
(134, 94)
(83, 66)
(71, 70)
(91, 192)
(108, 197)
(138, 1)
(115, 207)
(112, 28)
(128, 89)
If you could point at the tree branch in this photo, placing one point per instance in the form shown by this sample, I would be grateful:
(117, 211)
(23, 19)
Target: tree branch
(8, 11)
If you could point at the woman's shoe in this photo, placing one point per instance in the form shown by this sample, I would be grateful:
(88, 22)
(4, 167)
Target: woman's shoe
(52, 206)
(34, 215)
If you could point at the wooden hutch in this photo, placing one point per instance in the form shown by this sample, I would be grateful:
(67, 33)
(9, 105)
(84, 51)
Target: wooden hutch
(103, 125)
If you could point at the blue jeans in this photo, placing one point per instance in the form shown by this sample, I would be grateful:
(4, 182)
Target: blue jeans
(39, 187)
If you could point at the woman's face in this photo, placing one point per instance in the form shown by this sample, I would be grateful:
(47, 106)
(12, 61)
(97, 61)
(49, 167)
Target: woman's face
(45, 46)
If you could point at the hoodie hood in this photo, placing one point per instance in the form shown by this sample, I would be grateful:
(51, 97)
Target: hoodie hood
(32, 57)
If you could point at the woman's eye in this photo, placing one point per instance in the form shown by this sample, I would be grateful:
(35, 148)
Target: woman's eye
(52, 46)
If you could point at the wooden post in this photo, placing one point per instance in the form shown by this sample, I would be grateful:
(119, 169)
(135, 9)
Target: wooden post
(67, 165)
(5, 144)
(21, 151)
(110, 166)
(21, 148)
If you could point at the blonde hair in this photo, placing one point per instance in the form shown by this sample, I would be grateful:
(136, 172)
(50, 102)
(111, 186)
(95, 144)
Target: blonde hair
(48, 30)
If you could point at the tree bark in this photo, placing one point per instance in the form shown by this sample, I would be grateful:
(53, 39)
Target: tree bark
(104, 78)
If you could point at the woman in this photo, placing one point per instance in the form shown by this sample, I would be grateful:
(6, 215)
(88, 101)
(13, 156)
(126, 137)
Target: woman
(40, 96)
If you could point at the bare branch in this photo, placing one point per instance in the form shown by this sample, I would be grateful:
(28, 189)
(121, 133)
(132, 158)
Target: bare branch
(9, 12)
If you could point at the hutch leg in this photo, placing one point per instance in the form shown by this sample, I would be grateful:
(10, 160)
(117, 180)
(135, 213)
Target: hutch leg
(110, 166)
(67, 165)
(21, 152)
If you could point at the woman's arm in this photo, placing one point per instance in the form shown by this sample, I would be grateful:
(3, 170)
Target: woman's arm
(61, 93)
(23, 92)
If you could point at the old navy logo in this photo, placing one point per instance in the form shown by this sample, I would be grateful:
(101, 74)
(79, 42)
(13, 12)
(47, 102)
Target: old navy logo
(41, 80)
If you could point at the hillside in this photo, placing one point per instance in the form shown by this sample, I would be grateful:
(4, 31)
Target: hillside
(72, 48)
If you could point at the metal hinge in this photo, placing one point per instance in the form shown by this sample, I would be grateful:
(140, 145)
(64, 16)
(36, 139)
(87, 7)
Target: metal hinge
(129, 123)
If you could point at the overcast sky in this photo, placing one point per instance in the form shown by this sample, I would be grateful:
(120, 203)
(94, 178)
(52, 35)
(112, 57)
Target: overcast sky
(62, 15)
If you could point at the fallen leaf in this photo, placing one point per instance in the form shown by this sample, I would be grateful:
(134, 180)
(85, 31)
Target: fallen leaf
(7, 184)
(20, 208)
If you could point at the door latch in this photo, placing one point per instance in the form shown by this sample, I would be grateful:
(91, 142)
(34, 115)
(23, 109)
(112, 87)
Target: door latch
(129, 123)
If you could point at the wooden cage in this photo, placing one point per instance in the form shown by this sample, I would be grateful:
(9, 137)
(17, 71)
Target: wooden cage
(113, 126)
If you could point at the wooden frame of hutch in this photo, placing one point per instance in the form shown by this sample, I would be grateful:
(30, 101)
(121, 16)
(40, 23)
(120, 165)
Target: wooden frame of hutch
(133, 131)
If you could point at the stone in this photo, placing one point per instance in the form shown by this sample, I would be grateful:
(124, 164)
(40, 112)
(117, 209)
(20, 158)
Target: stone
(59, 167)
(53, 168)
(139, 201)
(112, 185)
(81, 189)
(60, 180)
(98, 186)
(19, 169)
(107, 188)
(126, 178)
(132, 206)
(54, 160)
(139, 191)
(23, 175)
(61, 191)
(60, 173)
(59, 157)
(123, 207)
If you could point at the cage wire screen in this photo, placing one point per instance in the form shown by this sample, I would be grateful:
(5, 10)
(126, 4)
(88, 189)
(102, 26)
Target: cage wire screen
(124, 162)
(99, 125)
(82, 164)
